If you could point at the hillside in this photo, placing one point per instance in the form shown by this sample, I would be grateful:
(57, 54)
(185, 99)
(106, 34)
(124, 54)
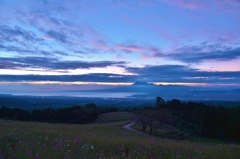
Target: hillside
(43, 140)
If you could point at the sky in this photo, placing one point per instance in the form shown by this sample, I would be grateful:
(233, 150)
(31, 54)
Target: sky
(52, 45)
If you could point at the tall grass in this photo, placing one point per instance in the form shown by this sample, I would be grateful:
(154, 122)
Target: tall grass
(25, 140)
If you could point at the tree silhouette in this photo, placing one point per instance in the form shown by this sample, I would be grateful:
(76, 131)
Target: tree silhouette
(159, 103)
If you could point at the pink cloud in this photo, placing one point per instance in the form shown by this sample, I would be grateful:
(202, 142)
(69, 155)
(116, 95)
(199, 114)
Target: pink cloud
(147, 57)
(148, 52)
(152, 53)
(47, 38)
(101, 45)
(154, 50)
(129, 48)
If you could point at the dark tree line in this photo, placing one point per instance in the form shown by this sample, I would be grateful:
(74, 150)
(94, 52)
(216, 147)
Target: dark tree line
(75, 114)
(194, 118)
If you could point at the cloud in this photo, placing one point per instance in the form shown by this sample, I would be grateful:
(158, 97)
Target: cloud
(17, 34)
(19, 50)
(102, 45)
(163, 70)
(147, 57)
(19, 40)
(57, 27)
(29, 51)
(52, 63)
(160, 73)
(148, 52)
(47, 22)
(129, 48)
(94, 77)
(182, 73)
(154, 50)
(151, 53)
(197, 54)
(57, 36)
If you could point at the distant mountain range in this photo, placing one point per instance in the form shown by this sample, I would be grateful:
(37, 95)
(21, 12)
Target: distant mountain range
(143, 87)
(145, 90)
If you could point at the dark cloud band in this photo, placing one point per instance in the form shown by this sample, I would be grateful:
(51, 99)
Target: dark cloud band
(52, 63)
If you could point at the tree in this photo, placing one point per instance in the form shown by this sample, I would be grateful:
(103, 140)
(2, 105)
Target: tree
(199, 118)
(143, 121)
(154, 123)
(5, 112)
(153, 119)
(158, 119)
(159, 102)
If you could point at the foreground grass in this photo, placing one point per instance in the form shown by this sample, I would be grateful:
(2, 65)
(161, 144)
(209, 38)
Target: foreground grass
(25, 140)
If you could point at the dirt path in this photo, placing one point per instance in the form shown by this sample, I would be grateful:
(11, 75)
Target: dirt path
(128, 127)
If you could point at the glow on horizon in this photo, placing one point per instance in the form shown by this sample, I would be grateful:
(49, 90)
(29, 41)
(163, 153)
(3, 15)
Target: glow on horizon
(69, 83)
(39, 71)
(114, 83)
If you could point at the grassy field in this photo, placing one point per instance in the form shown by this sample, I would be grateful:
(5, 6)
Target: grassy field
(101, 139)
(119, 118)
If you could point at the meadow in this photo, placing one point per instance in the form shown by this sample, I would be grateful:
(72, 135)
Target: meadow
(105, 138)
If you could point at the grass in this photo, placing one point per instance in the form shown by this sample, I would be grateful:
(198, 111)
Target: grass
(119, 118)
(25, 140)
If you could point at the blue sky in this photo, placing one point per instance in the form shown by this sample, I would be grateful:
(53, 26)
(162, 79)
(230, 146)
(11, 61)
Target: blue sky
(82, 44)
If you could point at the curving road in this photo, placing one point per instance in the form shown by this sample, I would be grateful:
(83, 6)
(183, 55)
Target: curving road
(128, 127)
